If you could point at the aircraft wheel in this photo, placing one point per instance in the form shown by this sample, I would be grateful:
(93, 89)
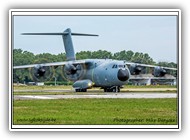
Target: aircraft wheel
(81, 90)
(107, 90)
(116, 89)
(84, 90)
(77, 90)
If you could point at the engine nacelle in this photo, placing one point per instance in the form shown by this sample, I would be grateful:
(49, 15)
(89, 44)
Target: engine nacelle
(135, 69)
(159, 72)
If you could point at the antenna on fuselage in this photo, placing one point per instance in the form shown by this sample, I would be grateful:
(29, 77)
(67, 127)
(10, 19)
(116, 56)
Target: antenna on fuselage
(67, 40)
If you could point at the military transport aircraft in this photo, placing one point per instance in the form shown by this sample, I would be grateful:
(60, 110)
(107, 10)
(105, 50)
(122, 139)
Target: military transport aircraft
(108, 74)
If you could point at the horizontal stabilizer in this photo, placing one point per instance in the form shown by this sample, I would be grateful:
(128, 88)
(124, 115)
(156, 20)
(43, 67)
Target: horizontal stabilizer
(67, 40)
(64, 33)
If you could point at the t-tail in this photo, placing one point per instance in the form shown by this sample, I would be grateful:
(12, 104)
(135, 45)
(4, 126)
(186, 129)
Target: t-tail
(67, 40)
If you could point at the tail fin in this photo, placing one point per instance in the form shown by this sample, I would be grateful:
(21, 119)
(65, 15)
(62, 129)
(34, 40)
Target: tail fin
(68, 43)
(67, 40)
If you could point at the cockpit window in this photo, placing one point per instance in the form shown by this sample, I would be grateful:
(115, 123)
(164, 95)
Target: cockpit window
(121, 66)
(114, 66)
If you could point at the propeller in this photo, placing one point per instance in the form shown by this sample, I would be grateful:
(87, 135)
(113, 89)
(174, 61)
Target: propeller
(41, 73)
(135, 69)
(159, 72)
(73, 72)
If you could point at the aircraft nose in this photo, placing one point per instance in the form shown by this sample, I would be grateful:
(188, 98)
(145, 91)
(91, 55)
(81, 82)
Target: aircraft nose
(123, 75)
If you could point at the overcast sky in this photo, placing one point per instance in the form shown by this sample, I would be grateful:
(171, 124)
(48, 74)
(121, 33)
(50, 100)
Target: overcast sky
(155, 35)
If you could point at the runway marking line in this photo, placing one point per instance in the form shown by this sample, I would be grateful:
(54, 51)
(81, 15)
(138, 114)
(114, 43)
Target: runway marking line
(36, 97)
(129, 96)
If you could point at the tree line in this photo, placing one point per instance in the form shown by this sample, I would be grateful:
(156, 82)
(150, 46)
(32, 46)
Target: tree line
(21, 57)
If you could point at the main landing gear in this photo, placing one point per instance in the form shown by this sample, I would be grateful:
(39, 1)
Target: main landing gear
(112, 89)
(81, 90)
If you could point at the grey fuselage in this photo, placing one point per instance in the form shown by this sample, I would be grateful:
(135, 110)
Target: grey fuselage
(104, 72)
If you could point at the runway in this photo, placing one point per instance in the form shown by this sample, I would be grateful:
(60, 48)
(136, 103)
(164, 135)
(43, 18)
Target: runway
(110, 95)
(98, 90)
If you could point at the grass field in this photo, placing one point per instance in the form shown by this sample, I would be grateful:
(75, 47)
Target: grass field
(95, 111)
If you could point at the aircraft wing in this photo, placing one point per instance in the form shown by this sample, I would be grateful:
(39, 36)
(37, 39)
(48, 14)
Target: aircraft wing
(154, 78)
(150, 66)
(50, 64)
(148, 76)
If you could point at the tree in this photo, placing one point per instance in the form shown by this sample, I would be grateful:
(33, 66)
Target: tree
(84, 55)
(123, 55)
(102, 54)
(21, 57)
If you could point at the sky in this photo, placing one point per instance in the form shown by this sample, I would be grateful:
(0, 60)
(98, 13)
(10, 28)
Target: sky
(155, 35)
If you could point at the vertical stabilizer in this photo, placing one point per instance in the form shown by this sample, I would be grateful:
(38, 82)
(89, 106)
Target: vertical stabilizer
(68, 44)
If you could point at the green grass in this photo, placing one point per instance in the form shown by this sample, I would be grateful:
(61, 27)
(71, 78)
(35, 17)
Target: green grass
(95, 111)
(150, 86)
(25, 87)
(58, 93)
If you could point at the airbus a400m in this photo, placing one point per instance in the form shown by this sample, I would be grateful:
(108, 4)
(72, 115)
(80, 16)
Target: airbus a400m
(108, 74)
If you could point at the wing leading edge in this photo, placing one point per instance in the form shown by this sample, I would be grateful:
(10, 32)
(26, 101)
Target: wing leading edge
(150, 66)
(50, 64)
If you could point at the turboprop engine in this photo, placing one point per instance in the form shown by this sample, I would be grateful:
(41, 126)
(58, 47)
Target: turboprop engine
(159, 72)
(41, 73)
(135, 69)
(73, 72)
